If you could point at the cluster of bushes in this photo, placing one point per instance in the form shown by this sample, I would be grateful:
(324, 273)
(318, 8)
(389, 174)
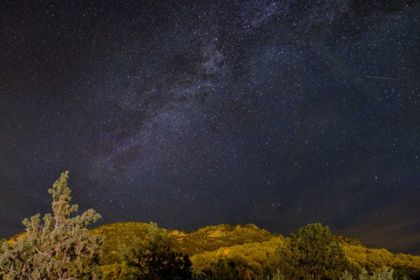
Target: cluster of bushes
(61, 247)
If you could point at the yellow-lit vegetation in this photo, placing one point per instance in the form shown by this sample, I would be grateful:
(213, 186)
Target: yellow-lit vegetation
(256, 257)
(251, 247)
(369, 258)
(209, 238)
(63, 248)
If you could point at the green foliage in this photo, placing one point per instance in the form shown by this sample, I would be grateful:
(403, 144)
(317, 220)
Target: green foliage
(117, 271)
(312, 253)
(253, 246)
(277, 275)
(406, 272)
(386, 273)
(346, 276)
(364, 275)
(383, 274)
(117, 233)
(58, 248)
(367, 258)
(224, 270)
(247, 247)
(252, 260)
(228, 269)
(209, 238)
(348, 241)
(155, 259)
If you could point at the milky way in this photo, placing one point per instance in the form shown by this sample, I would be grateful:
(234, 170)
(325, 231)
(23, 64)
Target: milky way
(277, 113)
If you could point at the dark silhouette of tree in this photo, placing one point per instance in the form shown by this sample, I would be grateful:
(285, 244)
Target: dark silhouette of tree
(223, 269)
(155, 259)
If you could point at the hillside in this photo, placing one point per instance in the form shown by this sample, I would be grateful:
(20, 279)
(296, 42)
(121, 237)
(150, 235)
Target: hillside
(209, 238)
(245, 245)
(249, 244)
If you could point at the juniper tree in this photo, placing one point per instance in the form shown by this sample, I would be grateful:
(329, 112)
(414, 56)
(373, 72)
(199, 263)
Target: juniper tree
(154, 259)
(312, 254)
(60, 248)
(386, 273)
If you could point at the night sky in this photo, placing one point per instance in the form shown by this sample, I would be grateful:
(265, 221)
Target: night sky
(192, 113)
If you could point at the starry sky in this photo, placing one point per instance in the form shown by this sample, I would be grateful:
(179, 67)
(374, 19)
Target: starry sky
(192, 113)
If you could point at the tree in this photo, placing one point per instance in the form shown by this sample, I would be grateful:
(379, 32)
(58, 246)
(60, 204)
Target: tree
(154, 259)
(59, 248)
(312, 254)
(223, 269)
(386, 273)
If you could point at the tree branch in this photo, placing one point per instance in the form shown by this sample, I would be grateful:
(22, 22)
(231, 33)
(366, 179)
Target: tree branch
(44, 254)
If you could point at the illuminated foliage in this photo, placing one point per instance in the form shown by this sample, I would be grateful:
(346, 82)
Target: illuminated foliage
(312, 253)
(386, 273)
(59, 248)
(277, 275)
(251, 260)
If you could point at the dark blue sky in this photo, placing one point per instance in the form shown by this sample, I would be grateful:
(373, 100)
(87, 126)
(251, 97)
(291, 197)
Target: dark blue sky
(191, 113)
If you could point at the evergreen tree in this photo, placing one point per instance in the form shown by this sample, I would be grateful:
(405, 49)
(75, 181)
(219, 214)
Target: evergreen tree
(154, 259)
(386, 273)
(312, 254)
(59, 248)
